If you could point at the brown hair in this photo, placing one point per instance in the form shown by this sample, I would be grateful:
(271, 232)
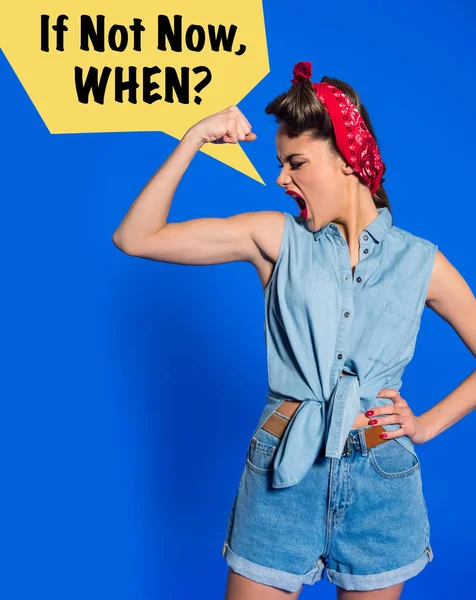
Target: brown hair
(300, 110)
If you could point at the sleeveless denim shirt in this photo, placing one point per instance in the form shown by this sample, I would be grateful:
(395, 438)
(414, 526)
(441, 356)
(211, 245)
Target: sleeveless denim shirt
(321, 320)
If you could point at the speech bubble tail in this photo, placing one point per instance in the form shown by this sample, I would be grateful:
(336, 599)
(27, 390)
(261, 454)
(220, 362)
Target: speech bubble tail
(235, 157)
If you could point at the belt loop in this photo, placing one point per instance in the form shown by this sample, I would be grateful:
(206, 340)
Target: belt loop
(363, 442)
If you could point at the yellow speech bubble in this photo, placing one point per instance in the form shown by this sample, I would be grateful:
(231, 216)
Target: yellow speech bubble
(146, 66)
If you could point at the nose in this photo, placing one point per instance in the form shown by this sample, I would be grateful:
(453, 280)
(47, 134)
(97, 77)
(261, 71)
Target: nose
(283, 178)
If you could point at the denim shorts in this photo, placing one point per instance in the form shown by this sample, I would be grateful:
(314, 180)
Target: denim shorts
(363, 518)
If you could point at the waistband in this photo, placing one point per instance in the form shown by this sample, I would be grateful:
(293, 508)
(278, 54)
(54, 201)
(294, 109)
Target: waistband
(316, 423)
(317, 426)
(279, 420)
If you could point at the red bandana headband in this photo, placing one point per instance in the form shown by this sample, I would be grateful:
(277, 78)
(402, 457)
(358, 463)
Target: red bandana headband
(354, 140)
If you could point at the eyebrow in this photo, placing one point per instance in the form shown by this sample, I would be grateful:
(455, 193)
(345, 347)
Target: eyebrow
(289, 157)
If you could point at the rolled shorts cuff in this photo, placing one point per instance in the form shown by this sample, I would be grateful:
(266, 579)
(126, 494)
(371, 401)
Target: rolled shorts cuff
(349, 581)
(290, 582)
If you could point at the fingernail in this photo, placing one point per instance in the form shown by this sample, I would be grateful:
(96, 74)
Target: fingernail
(373, 421)
(383, 435)
(369, 413)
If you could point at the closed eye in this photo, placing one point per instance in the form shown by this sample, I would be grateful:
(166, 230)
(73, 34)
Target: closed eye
(294, 166)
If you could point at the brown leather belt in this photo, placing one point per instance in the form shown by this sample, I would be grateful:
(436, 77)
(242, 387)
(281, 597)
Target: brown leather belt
(277, 422)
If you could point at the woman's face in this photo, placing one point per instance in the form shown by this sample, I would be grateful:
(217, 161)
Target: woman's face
(312, 172)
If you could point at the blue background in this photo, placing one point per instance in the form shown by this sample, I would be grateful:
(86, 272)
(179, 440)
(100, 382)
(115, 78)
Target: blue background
(130, 388)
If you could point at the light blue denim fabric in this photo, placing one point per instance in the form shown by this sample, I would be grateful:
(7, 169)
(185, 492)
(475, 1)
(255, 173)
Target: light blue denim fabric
(320, 320)
(318, 499)
(362, 520)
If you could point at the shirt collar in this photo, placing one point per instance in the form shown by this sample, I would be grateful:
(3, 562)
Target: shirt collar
(377, 228)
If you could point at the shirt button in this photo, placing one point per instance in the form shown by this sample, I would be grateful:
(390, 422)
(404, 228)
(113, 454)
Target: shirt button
(366, 237)
(366, 251)
(359, 279)
(347, 314)
(339, 356)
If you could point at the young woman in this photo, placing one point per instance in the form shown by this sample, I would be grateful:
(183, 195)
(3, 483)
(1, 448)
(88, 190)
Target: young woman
(331, 481)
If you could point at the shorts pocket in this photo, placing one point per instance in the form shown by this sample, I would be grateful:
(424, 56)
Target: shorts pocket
(262, 448)
(392, 460)
(261, 451)
(395, 332)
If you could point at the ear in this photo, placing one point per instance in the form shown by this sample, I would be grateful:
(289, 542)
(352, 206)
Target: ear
(343, 166)
(347, 169)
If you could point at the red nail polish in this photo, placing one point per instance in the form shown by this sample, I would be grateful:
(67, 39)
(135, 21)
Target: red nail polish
(373, 422)
(383, 435)
(369, 413)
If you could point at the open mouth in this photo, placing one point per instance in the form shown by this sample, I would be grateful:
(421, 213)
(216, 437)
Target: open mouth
(303, 212)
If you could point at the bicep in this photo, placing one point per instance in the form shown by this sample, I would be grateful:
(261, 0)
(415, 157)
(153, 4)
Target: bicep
(450, 296)
(210, 241)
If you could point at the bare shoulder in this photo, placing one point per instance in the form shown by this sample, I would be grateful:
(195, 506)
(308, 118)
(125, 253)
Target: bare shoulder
(445, 279)
(450, 296)
(266, 228)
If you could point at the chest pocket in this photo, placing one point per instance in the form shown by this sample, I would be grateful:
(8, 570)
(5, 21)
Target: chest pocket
(395, 332)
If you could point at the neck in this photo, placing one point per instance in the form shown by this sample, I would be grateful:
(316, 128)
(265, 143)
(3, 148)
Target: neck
(359, 211)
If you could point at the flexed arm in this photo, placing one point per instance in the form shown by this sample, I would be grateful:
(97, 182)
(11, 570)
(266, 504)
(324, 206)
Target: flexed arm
(144, 230)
